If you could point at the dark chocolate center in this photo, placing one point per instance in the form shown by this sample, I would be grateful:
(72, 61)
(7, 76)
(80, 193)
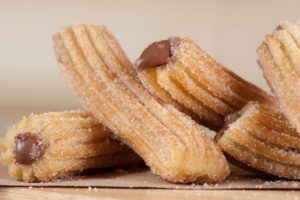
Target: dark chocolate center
(157, 53)
(229, 119)
(29, 148)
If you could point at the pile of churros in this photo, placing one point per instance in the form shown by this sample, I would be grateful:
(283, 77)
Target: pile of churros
(160, 110)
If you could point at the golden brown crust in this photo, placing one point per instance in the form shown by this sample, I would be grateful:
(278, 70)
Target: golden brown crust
(261, 147)
(73, 141)
(193, 81)
(279, 58)
(173, 145)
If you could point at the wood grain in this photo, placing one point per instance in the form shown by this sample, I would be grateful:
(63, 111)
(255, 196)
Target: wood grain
(143, 194)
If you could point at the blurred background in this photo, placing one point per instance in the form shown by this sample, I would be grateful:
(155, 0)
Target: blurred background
(230, 30)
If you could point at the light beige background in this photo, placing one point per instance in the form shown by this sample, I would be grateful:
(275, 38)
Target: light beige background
(29, 77)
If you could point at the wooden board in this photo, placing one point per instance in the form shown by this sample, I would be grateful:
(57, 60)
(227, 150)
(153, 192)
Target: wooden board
(143, 194)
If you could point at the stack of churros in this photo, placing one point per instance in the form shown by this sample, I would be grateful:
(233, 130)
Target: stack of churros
(171, 144)
(267, 139)
(163, 107)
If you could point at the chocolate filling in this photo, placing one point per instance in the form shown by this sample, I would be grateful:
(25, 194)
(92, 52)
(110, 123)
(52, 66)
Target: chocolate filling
(278, 28)
(157, 53)
(29, 148)
(229, 119)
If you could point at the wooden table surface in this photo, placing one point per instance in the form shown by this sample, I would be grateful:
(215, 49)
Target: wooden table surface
(143, 194)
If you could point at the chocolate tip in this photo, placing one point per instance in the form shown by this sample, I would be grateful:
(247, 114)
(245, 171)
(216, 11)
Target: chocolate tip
(229, 119)
(157, 53)
(29, 147)
(279, 27)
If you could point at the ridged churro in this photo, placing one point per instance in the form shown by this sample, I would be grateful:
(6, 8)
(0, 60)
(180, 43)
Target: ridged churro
(262, 139)
(172, 144)
(179, 72)
(279, 58)
(44, 147)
